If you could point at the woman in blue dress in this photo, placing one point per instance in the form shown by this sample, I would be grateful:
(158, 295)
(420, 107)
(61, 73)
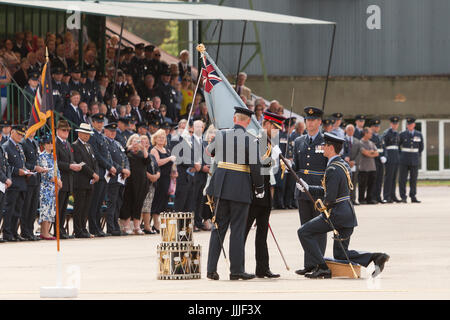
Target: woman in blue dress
(47, 210)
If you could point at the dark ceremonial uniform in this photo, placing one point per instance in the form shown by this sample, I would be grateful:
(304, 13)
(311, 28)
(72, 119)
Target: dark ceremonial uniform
(411, 147)
(260, 209)
(232, 203)
(5, 173)
(359, 132)
(114, 199)
(336, 194)
(82, 186)
(15, 194)
(31, 201)
(199, 179)
(391, 140)
(376, 139)
(309, 164)
(101, 152)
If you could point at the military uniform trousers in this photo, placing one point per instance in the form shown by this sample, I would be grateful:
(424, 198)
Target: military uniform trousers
(13, 210)
(261, 215)
(308, 212)
(390, 179)
(309, 233)
(233, 214)
(95, 213)
(113, 204)
(403, 177)
(199, 185)
(289, 199)
(279, 190)
(378, 180)
(354, 176)
(29, 211)
(82, 202)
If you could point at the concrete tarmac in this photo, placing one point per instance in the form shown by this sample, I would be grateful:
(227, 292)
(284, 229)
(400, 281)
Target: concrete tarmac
(416, 236)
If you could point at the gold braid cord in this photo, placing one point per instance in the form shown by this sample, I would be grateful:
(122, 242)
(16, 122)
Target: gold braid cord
(349, 179)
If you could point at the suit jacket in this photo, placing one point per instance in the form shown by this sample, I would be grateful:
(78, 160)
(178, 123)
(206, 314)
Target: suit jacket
(182, 71)
(353, 151)
(72, 115)
(84, 153)
(16, 161)
(117, 156)
(31, 151)
(65, 156)
(5, 171)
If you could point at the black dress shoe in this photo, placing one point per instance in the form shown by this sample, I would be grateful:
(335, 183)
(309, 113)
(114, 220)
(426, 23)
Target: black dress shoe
(107, 234)
(355, 203)
(2, 240)
(414, 200)
(397, 200)
(149, 231)
(302, 272)
(155, 230)
(319, 273)
(20, 238)
(383, 201)
(116, 233)
(372, 202)
(100, 234)
(243, 276)
(267, 274)
(12, 239)
(213, 275)
(379, 259)
(64, 236)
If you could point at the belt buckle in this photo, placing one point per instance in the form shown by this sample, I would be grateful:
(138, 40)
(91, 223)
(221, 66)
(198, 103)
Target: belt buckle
(306, 171)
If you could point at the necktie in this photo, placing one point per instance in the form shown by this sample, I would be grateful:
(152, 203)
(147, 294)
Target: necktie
(310, 140)
(22, 156)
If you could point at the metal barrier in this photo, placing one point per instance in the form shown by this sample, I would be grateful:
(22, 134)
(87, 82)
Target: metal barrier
(18, 109)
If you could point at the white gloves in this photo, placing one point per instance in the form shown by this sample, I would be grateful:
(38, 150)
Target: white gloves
(275, 152)
(289, 162)
(300, 186)
(383, 159)
(259, 195)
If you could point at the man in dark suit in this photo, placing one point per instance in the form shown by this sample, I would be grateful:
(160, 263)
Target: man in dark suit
(15, 194)
(66, 166)
(120, 162)
(336, 195)
(236, 167)
(135, 102)
(106, 165)
(167, 94)
(83, 180)
(27, 99)
(31, 202)
(183, 64)
(72, 112)
(260, 208)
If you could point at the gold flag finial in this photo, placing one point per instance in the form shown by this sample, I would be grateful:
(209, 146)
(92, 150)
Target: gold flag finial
(201, 48)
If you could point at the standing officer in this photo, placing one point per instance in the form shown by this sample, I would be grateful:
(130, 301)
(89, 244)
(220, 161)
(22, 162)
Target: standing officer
(335, 191)
(5, 178)
(122, 135)
(237, 166)
(309, 164)
(360, 120)
(411, 147)
(260, 207)
(59, 90)
(31, 201)
(120, 162)
(391, 140)
(337, 130)
(106, 169)
(379, 160)
(15, 194)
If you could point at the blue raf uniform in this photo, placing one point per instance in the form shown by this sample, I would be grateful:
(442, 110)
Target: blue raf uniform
(234, 168)
(379, 161)
(411, 147)
(309, 164)
(15, 194)
(359, 130)
(338, 131)
(335, 190)
(105, 163)
(391, 140)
